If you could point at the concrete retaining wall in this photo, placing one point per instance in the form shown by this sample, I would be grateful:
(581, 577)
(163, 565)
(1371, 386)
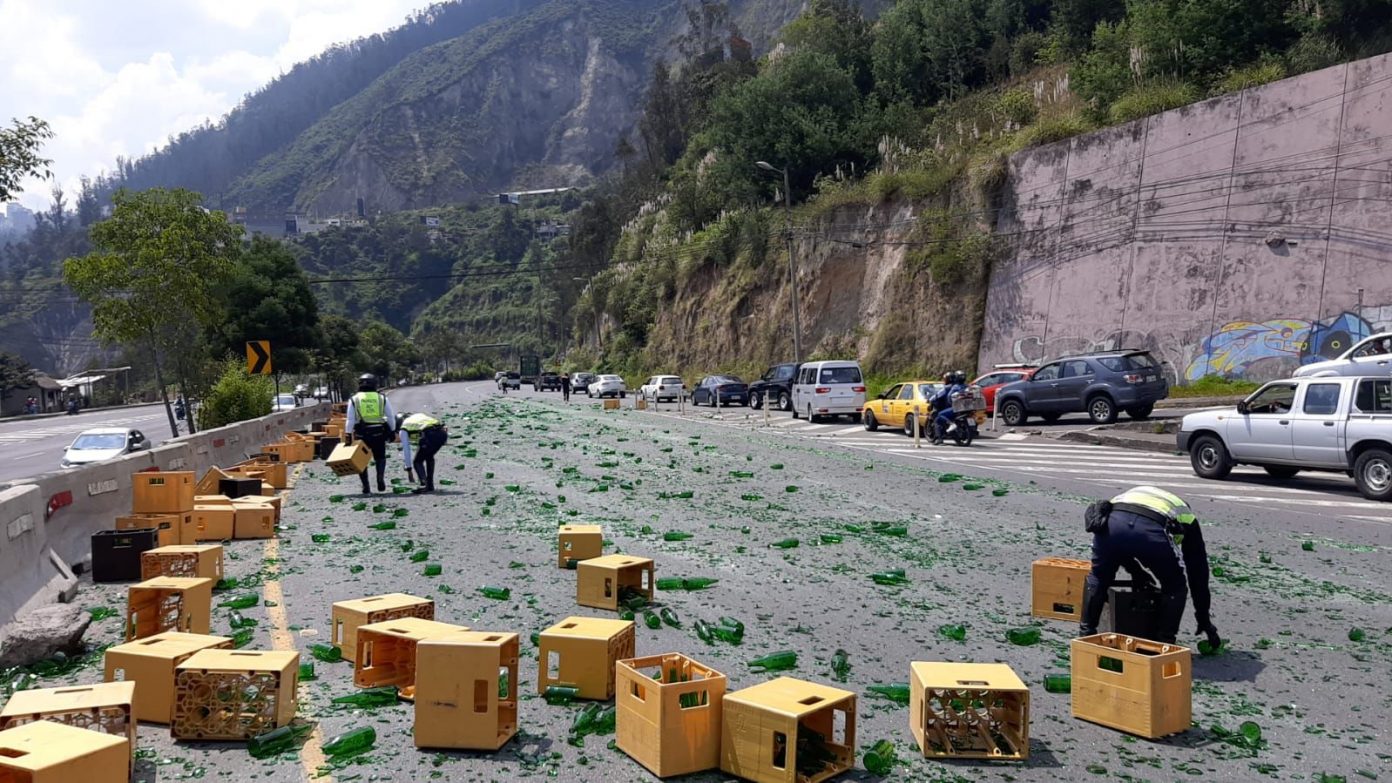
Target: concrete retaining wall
(48, 520)
(1242, 236)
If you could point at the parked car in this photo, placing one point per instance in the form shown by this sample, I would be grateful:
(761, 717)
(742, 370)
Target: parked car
(828, 389)
(284, 402)
(900, 405)
(999, 376)
(607, 386)
(662, 387)
(510, 380)
(726, 389)
(1329, 423)
(1370, 356)
(101, 444)
(775, 385)
(547, 381)
(302, 391)
(499, 375)
(581, 381)
(1098, 384)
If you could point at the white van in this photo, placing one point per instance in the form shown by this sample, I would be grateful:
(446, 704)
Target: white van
(828, 389)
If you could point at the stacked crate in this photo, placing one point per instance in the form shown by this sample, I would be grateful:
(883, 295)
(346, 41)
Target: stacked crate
(162, 501)
(149, 665)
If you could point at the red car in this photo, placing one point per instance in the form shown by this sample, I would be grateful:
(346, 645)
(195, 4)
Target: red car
(999, 376)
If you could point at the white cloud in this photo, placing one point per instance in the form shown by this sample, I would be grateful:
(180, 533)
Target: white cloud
(60, 61)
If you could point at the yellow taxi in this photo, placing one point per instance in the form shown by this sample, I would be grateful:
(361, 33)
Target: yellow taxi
(899, 405)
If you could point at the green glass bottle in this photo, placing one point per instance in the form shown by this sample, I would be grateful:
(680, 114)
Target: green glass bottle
(277, 741)
(670, 617)
(1207, 649)
(560, 695)
(320, 538)
(897, 531)
(572, 564)
(669, 583)
(1058, 683)
(840, 665)
(787, 543)
(626, 614)
(327, 653)
(775, 662)
(307, 672)
(605, 722)
(879, 759)
(652, 620)
(1023, 637)
(957, 633)
(433, 569)
(244, 601)
(697, 582)
(897, 692)
(370, 697)
(237, 620)
(677, 535)
(830, 538)
(241, 638)
(421, 556)
(889, 579)
(733, 624)
(704, 632)
(388, 525)
(583, 724)
(1357, 635)
(351, 742)
(496, 593)
(226, 583)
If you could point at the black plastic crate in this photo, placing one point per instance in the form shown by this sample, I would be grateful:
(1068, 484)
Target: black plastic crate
(116, 553)
(326, 446)
(1129, 612)
(239, 487)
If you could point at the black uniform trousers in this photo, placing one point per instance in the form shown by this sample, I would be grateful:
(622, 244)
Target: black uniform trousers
(432, 439)
(1131, 539)
(375, 437)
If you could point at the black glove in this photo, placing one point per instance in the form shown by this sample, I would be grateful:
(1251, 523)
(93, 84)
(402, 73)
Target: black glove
(1206, 628)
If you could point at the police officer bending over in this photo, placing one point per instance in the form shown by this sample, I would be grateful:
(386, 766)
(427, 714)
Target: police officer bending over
(1156, 530)
(370, 419)
(426, 435)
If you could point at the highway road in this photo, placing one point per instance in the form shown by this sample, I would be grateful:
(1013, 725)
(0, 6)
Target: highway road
(1299, 567)
(29, 447)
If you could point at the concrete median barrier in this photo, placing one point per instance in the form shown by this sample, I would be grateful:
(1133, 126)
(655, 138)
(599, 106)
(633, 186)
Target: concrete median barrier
(49, 519)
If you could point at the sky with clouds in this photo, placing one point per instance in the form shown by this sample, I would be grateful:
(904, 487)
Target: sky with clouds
(119, 77)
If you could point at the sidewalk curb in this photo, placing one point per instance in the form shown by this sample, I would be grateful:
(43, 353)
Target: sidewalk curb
(56, 414)
(1199, 402)
(1120, 441)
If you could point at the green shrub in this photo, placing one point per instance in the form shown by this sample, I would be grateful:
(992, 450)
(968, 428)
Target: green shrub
(1255, 75)
(1215, 386)
(1051, 129)
(236, 397)
(1152, 98)
(1018, 106)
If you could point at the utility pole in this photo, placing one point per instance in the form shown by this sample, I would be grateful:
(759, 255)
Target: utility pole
(792, 259)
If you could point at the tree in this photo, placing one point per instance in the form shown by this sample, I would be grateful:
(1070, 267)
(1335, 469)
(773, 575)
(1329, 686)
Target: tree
(836, 28)
(154, 277)
(386, 351)
(19, 155)
(15, 373)
(339, 352)
(267, 297)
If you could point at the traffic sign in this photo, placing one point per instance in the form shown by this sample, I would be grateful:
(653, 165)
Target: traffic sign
(259, 357)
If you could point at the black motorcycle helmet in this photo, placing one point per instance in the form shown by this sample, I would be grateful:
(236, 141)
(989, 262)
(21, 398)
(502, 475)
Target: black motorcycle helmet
(367, 382)
(959, 377)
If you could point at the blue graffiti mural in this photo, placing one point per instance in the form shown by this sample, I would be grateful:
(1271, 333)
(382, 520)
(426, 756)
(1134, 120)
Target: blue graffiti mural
(1275, 347)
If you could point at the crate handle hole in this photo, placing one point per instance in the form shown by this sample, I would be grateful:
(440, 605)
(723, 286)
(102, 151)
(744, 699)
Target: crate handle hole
(638, 691)
(780, 750)
(1171, 669)
(73, 690)
(1108, 663)
(1064, 608)
(11, 753)
(973, 683)
(480, 696)
(568, 625)
(810, 700)
(492, 638)
(553, 665)
(694, 700)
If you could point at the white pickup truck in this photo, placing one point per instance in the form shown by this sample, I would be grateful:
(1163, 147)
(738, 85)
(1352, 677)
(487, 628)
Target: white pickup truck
(1340, 423)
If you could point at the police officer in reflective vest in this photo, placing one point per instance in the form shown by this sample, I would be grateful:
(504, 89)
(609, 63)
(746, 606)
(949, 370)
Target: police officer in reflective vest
(424, 435)
(370, 418)
(1156, 530)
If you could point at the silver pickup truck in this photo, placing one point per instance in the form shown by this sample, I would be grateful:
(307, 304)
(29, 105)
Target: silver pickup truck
(1341, 424)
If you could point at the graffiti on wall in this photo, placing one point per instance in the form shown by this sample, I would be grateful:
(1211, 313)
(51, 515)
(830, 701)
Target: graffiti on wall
(1274, 348)
(1239, 349)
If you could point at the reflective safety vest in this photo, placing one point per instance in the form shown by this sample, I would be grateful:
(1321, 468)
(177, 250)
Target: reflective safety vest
(370, 408)
(1165, 507)
(417, 423)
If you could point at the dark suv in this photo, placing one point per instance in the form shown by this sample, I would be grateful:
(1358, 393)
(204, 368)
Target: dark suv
(1098, 384)
(776, 385)
(547, 381)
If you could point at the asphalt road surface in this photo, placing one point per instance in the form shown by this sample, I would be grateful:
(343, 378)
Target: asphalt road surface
(1292, 581)
(29, 447)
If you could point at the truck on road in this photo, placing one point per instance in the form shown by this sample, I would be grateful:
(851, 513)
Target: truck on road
(1337, 424)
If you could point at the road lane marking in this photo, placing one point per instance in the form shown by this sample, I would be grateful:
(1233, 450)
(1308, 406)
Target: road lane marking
(312, 752)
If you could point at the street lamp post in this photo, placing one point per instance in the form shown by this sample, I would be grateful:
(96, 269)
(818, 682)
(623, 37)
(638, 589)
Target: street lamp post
(792, 260)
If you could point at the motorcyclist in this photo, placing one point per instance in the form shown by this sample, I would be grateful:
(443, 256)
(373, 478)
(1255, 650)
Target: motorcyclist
(953, 383)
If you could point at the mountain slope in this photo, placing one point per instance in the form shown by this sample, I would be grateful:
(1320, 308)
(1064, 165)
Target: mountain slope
(553, 88)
